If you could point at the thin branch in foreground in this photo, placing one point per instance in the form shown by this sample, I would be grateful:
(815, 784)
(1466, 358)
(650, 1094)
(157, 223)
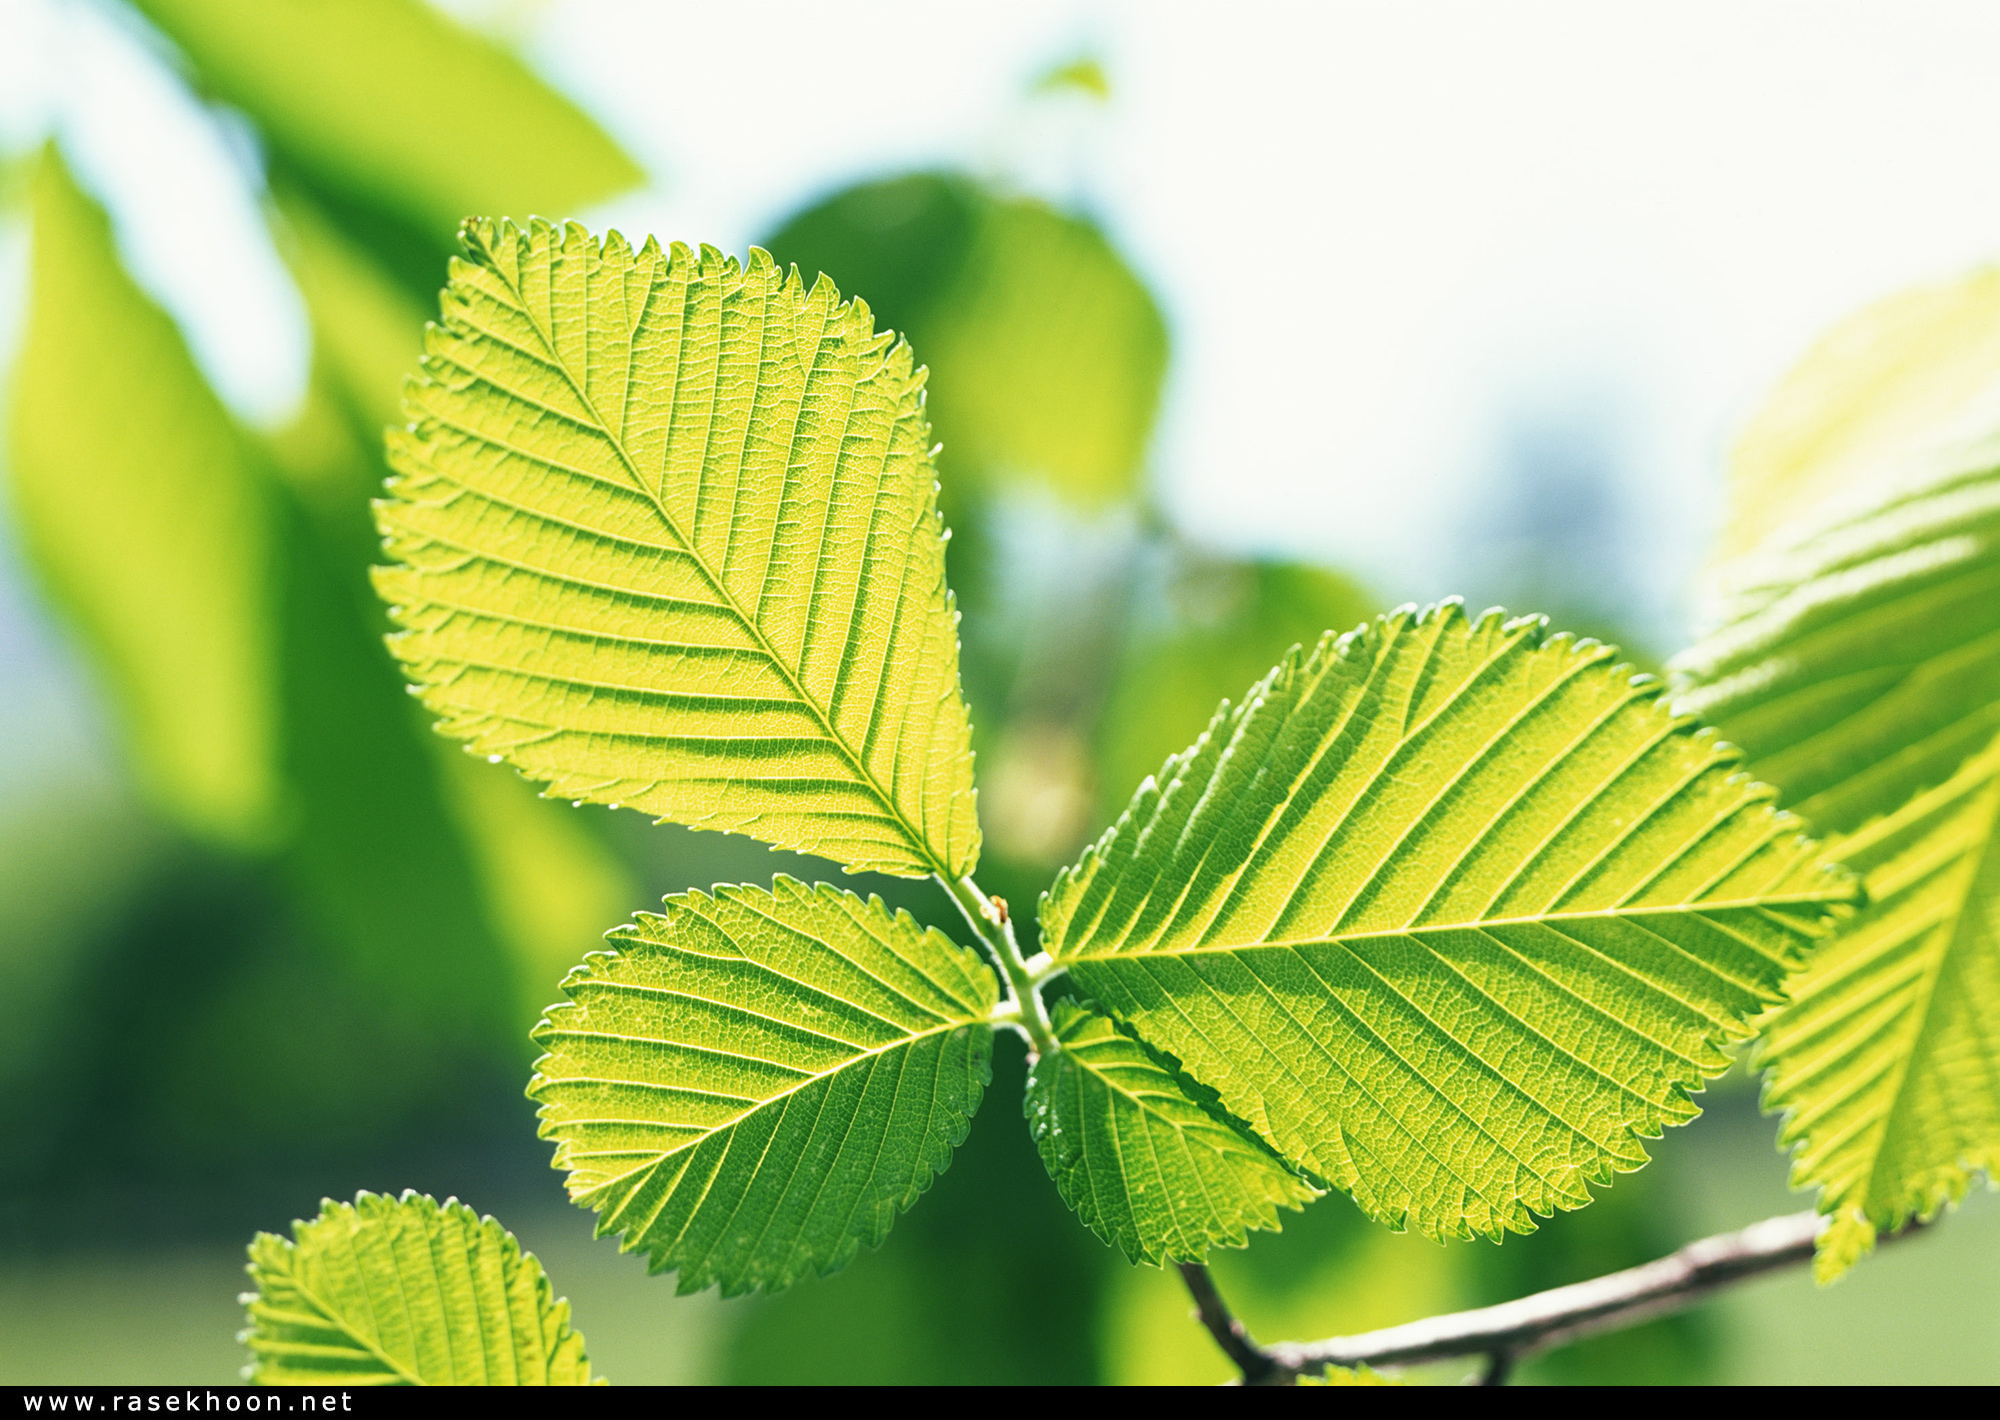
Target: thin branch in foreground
(1513, 1331)
(1256, 1364)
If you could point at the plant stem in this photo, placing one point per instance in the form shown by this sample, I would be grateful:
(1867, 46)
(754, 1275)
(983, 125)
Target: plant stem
(989, 919)
(1258, 1366)
(1513, 1331)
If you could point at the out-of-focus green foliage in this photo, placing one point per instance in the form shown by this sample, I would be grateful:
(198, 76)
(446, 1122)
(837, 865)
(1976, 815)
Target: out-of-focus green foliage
(372, 103)
(1220, 626)
(139, 502)
(1893, 383)
(386, 925)
(406, 1291)
(1046, 352)
(1343, 1376)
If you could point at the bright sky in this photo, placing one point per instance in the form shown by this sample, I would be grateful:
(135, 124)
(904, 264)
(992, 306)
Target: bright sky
(1389, 236)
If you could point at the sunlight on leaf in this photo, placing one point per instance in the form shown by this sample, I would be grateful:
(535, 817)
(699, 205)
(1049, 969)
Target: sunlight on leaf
(1886, 1061)
(1882, 388)
(405, 1292)
(1453, 914)
(751, 1087)
(1855, 657)
(669, 539)
(1146, 1166)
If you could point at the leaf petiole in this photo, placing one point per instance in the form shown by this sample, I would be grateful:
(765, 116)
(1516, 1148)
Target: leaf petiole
(1023, 1009)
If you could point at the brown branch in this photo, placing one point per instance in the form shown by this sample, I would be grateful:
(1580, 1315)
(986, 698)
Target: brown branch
(1513, 1331)
(1257, 1365)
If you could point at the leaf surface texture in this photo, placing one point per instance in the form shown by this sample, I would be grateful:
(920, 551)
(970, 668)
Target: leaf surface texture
(1887, 1058)
(406, 1291)
(1856, 658)
(752, 1086)
(668, 537)
(1449, 913)
(1148, 1168)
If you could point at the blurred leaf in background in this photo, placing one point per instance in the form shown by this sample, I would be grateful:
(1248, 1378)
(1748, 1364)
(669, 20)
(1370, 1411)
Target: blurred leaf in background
(147, 521)
(1898, 381)
(1213, 630)
(403, 122)
(1047, 352)
(362, 922)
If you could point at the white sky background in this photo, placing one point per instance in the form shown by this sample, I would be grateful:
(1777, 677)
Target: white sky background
(1389, 236)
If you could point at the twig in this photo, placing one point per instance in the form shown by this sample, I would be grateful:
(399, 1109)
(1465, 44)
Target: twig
(1256, 1364)
(1511, 1332)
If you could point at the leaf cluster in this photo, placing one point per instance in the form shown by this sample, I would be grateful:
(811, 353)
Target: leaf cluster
(1448, 913)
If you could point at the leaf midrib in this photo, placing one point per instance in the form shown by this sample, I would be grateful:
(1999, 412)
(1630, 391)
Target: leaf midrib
(805, 1081)
(554, 357)
(1471, 925)
(340, 1323)
(1926, 989)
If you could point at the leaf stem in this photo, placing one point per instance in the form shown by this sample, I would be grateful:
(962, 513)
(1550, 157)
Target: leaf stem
(1024, 1008)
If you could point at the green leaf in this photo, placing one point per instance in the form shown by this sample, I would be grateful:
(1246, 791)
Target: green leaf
(396, 107)
(141, 509)
(1047, 353)
(754, 1085)
(1886, 1060)
(669, 538)
(1451, 914)
(376, 855)
(1147, 1167)
(362, 317)
(1856, 658)
(405, 1292)
(1878, 390)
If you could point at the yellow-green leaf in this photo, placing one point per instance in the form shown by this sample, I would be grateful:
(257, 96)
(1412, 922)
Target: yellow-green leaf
(1452, 914)
(1887, 1059)
(1855, 656)
(1148, 1168)
(751, 1087)
(668, 538)
(405, 1291)
(1883, 388)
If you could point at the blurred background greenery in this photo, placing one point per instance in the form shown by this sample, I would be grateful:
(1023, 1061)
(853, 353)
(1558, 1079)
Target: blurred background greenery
(264, 938)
